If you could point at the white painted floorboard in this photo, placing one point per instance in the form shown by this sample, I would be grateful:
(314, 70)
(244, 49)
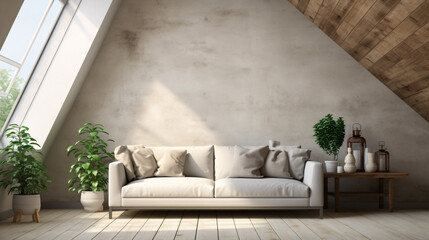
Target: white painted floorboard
(229, 225)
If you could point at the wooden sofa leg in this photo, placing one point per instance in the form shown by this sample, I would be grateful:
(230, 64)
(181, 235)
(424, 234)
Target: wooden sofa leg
(110, 213)
(321, 213)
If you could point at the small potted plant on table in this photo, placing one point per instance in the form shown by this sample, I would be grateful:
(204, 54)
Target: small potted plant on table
(23, 172)
(89, 171)
(329, 136)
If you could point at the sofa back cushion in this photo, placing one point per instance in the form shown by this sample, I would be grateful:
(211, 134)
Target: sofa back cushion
(198, 162)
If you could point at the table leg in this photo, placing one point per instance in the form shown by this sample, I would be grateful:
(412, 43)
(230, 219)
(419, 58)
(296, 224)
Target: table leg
(381, 190)
(337, 194)
(325, 193)
(391, 194)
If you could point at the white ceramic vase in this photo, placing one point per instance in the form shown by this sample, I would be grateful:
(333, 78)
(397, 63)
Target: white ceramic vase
(349, 162)
(27, 203)
(370, 166)
(92, 201)
(331, 166)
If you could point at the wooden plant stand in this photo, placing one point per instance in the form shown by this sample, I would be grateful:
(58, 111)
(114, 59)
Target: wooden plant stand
(35, 216)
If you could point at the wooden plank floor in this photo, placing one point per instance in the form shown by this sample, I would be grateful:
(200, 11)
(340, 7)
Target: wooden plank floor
(166, 225)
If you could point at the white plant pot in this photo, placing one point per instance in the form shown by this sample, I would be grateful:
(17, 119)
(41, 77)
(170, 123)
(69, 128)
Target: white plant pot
(92, 201)
(27, 203)
(340, 169)
(331, 166)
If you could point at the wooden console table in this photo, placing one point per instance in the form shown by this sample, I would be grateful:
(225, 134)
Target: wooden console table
(379, 175)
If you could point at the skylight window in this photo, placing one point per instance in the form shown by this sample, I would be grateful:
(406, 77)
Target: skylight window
(22, 49)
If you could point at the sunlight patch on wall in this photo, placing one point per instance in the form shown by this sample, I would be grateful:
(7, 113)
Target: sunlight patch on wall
(163, 115)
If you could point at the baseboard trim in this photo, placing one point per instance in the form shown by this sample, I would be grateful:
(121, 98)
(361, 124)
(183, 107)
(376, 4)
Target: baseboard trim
(6, 214)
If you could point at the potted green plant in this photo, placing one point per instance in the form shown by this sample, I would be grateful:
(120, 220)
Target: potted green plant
(90, 169)
(22, 170)
(329, 136)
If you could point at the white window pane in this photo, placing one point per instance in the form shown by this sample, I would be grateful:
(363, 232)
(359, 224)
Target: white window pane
(41, 39)
(23, 29)
(7, 72)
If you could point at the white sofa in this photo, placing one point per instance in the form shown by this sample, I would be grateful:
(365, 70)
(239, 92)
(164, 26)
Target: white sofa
(207, 186)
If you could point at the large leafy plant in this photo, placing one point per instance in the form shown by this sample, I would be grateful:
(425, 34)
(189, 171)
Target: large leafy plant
(89, 171)
(330, 134)
(21, 165)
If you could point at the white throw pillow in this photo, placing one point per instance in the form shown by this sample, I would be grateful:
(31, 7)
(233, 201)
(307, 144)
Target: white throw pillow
(144, 163)
(170, 163)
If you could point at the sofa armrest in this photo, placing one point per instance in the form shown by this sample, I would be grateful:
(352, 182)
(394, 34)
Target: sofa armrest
(313, 178)
(117, 180)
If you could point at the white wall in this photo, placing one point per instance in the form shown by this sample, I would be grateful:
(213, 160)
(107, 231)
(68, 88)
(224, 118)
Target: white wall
(242, 72)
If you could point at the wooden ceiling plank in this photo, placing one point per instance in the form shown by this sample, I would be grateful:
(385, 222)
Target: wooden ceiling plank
(294, 2)
(366, 63)
(418, 99)
(333, 21)
(421, 14)
(406, 64)
(407, 60)
(415, 21)
(411, 76)
(413, 88)
(404, 30)
(352, 19)
(374, 15)
(324, 11)
(403, 50)
(312, 9)
(384, 27)
(302, 5)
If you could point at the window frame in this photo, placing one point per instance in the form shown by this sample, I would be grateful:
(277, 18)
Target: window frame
(19, 65)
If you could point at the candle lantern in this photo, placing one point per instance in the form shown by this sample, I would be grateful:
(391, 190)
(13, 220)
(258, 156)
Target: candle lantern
(358, 144)
(382, 158)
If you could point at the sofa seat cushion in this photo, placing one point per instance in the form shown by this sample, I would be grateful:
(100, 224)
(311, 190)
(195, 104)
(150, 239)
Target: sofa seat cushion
(260, 188)
(169, 187)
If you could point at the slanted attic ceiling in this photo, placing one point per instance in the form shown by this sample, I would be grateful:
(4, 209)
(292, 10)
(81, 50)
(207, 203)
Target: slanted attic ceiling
(390, 38)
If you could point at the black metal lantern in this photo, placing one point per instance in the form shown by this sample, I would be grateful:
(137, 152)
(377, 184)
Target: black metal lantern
(382, 158)
(358, 144)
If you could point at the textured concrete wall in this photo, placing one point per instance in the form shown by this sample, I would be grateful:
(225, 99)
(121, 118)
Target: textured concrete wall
(235, 72)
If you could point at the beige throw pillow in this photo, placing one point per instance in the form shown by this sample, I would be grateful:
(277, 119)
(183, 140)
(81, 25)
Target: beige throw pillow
(247, 163)
(144, 163)
(171, 163)
(123, 154)
(297, 159)
(276, 165)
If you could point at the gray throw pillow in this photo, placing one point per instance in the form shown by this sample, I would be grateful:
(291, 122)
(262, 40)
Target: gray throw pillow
(297, 159)
(123, 154)
(247, 163)
(144, 163)
(171, 163)
(276, 165)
